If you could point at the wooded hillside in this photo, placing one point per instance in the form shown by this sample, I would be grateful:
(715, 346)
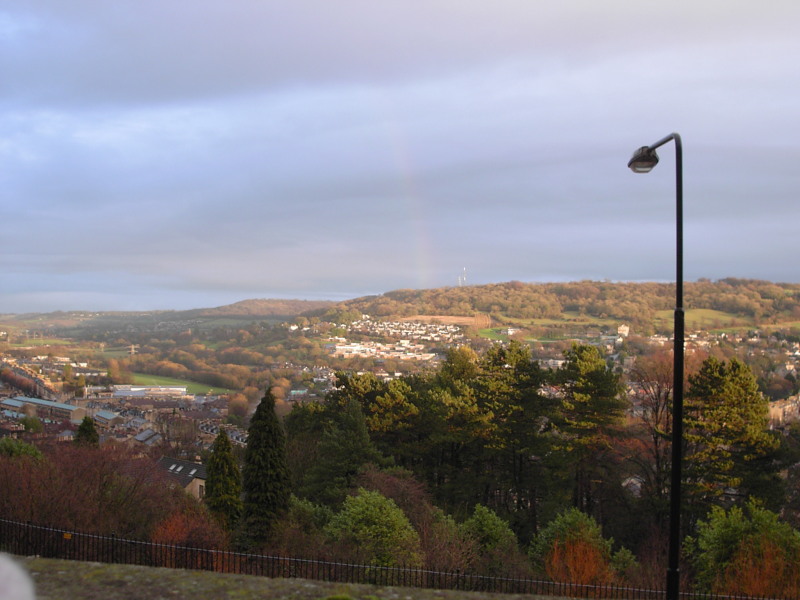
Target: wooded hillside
(635, 303)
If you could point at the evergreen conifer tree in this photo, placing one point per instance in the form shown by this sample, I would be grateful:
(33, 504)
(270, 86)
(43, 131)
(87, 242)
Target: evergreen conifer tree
(343, 450)
(265, 477)
(87, 435)
(727, 437)
(223, 483)
(592, 405)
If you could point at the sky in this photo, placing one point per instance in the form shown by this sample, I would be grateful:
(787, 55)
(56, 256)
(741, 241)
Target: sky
(194, 153)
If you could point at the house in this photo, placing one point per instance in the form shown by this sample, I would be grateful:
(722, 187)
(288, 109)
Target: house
(137, 424)
(105, 419)
(148, 437)
(66, 436)
(784, 411)
(189, 475)
(10, 428)
(44, 409)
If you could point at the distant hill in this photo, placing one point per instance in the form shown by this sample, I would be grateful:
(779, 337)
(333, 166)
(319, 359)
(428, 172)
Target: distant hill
(246, 310)
(726, 303)
(718, 304)
(260, 307)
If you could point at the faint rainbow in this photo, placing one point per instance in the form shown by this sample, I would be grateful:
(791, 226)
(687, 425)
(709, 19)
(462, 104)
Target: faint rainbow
(416, 212)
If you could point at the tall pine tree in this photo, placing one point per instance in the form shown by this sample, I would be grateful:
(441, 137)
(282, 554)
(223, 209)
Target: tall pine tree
(592, 405)
(223, 483)
(343, 450)
(265, 477)
(727, 437)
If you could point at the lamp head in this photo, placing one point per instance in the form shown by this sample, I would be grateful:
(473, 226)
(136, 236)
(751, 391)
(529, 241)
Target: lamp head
(643, 160)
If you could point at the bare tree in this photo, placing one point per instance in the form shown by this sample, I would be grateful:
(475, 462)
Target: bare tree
(652, 382)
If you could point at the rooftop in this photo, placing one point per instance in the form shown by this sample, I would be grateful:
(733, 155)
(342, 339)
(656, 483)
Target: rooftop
(47, 403)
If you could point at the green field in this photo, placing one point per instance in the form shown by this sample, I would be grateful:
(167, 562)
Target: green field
(42, 342)
(192, 386)
(115, 353)
(492, 334)
(575, 318)
(567, 323)
(566, 318)
(696, 318)
(704, 318)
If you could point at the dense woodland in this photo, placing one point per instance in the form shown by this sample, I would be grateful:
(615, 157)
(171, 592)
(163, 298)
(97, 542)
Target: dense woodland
(496, 433)
(634, 303)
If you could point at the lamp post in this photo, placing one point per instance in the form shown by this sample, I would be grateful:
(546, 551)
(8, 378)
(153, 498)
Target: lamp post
(643, 161)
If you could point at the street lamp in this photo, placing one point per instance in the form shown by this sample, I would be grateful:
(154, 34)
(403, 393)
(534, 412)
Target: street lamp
(643, 161)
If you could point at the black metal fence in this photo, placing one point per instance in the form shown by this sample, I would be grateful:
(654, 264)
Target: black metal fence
(26, 539)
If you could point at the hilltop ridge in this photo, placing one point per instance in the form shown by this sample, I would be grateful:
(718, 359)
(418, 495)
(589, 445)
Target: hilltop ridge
(728, 302)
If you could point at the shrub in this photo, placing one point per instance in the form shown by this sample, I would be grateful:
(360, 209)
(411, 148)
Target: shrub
(101, 490)
(498, 552)
(445, 545)
(760, 568)
(191, 526)
(196, 533)
(15, 448)
(489, 530)
(746, 551)
(301, 531)
(578, 561)
(572, 548)
(375, 530)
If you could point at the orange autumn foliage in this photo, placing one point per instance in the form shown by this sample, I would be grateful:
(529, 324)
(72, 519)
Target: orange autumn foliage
(189, 528)
(760, 569)
(182, 538)
(578, 561)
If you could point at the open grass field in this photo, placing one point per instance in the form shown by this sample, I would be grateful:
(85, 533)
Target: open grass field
(567, 319)
(568, 323)
(492, 334)
(478, 321)
(575, 318)
(704, 318)
(207, 323)
(36, 342)
(783, 325)
(115, 353)
(192, 386)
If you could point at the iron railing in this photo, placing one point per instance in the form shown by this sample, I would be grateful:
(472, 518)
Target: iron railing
(26, 539)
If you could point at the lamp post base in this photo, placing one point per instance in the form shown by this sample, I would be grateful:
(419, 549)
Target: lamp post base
(673, 584)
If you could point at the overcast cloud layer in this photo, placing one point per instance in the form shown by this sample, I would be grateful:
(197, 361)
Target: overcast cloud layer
(192, 153)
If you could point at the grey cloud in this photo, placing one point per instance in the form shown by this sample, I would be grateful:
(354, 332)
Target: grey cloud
(318, 148)
(127, 51)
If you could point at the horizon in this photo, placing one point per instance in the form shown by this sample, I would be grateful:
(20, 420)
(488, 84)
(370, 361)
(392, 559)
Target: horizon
(356, 297)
